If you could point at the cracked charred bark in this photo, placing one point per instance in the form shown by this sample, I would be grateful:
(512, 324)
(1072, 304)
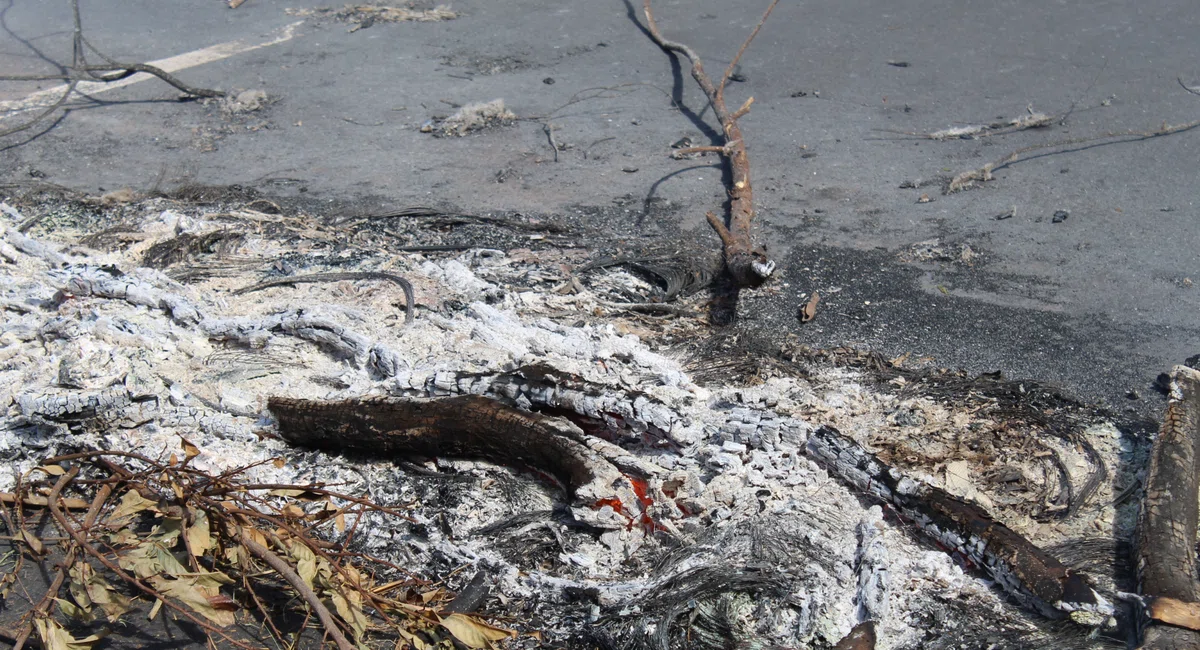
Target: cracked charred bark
(469, 426)
(1167, 543)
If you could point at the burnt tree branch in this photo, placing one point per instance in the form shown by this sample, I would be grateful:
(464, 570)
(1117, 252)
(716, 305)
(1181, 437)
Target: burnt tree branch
(747, 262)
(81, 70)
(468, 426)
(1167, 539)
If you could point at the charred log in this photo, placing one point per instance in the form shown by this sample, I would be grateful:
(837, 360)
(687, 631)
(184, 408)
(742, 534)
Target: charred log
(1032, 576)
(1167, 540)
(469, 426)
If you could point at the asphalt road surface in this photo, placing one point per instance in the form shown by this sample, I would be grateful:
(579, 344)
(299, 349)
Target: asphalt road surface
(1099, 302)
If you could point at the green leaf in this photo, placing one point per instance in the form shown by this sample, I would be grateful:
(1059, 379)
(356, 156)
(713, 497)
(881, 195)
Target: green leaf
(473, 632)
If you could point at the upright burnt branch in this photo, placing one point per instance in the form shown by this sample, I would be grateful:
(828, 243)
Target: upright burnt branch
(747, 262)
(1167, 540)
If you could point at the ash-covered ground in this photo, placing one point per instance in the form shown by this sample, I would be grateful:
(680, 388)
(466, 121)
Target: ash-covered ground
(124, 330)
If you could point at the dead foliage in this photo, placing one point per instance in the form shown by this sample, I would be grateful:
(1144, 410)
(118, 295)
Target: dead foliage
(365, 15)
(475, 116)
(216, 550)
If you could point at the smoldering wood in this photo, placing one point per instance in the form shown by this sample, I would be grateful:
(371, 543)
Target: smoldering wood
(748, 542)
(1166, 554)
(469, 426)
(1032, 576)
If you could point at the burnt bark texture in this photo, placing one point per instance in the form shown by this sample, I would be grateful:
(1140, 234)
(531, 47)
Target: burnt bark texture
(746, 261)
(861, 637)
(468, 426)
(1034, 577)
(1167, 539)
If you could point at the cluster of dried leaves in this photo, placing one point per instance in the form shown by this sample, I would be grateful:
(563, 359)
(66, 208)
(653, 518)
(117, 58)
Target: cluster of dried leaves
(221, 552)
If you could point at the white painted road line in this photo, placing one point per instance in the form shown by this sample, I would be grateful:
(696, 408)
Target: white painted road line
(43, 98)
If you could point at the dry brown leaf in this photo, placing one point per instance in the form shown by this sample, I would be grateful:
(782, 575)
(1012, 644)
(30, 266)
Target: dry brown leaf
(349, 607)
(34, 543)
(415, 641)
(430, 595)
(150, 558)
(809, 310)
(473, 632)
(306, 561)
(53, 470)
(90, 588)
(199, 536)
(190, 450)
(54, 637)
(131, 504)
(195, 591)
(74, 611)
(292, 510)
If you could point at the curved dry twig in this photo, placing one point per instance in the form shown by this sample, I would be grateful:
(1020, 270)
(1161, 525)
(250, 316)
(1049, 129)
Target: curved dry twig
(404, 284)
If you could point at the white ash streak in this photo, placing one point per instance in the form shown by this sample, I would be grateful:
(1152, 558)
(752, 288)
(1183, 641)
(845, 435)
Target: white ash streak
(139, 350)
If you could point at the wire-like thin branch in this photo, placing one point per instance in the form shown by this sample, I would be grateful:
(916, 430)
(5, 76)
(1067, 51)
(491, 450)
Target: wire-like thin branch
(287, 573)
(742, 50)
(128, 69)
(79, 70)
(41, 116)
(338, 277)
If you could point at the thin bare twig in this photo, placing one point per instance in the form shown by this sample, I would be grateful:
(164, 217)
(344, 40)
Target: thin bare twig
(742, 50)
(549, 129)
(81, 70)
(338, 277)
(285, 571)
(967, 179)
(747, 262)
(43, 606)
(1195, 90)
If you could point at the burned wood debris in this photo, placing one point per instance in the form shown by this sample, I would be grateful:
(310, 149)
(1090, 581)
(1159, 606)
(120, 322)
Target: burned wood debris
(554, 457)
(1166, 555)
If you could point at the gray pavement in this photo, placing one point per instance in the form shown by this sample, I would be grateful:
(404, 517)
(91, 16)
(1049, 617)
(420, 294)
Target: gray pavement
(1099, 303)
